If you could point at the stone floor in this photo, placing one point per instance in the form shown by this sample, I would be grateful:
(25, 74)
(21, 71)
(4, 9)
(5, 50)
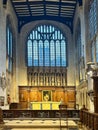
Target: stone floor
(40, 124)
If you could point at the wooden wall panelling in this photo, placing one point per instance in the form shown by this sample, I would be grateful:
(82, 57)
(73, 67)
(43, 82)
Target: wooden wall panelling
(54, 95)
(59, 95)
(23, 94)
(23, 98)
(71, 99)
(66, 97)
(71, 95)
(34, 96)
(31, 94)
(23, 105)
(40, 96)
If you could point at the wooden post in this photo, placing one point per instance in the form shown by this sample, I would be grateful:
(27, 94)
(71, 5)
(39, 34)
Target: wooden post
(1, 117)
(95, 87)
(1, 120)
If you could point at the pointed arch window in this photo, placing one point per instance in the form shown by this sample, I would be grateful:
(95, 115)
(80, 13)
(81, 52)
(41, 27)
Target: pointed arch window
(9, 48)
(46, 46)
(93, 29)
(93, 26)
(80, 52)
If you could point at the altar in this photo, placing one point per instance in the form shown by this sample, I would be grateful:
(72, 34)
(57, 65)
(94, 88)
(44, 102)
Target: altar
(44, 105)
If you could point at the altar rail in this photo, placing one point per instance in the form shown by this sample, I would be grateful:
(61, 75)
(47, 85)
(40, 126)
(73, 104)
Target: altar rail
(90, 120)
(41, 114)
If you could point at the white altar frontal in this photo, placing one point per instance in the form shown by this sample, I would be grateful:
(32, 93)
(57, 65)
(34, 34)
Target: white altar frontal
(44, 105)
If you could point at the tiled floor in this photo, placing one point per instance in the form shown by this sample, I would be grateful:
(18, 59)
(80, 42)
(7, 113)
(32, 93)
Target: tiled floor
(38, 124)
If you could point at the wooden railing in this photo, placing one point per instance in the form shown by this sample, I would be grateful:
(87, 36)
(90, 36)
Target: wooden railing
(90, 120)
(41, 114)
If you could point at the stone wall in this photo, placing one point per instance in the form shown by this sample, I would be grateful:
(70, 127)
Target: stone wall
(6, 12)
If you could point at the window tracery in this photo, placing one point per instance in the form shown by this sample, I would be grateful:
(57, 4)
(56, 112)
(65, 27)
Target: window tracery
(46, 46)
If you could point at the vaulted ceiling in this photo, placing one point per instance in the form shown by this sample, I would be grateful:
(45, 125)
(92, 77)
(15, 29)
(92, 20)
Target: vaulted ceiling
(57, 10)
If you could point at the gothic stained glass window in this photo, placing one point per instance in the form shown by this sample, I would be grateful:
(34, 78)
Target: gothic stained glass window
(92, 51)
(9, 49)
(93, 29)
(96, 51)
(46, 46)
(80, 52)
(92, 18)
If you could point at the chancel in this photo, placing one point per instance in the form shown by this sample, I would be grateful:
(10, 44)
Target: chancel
(49, 64)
